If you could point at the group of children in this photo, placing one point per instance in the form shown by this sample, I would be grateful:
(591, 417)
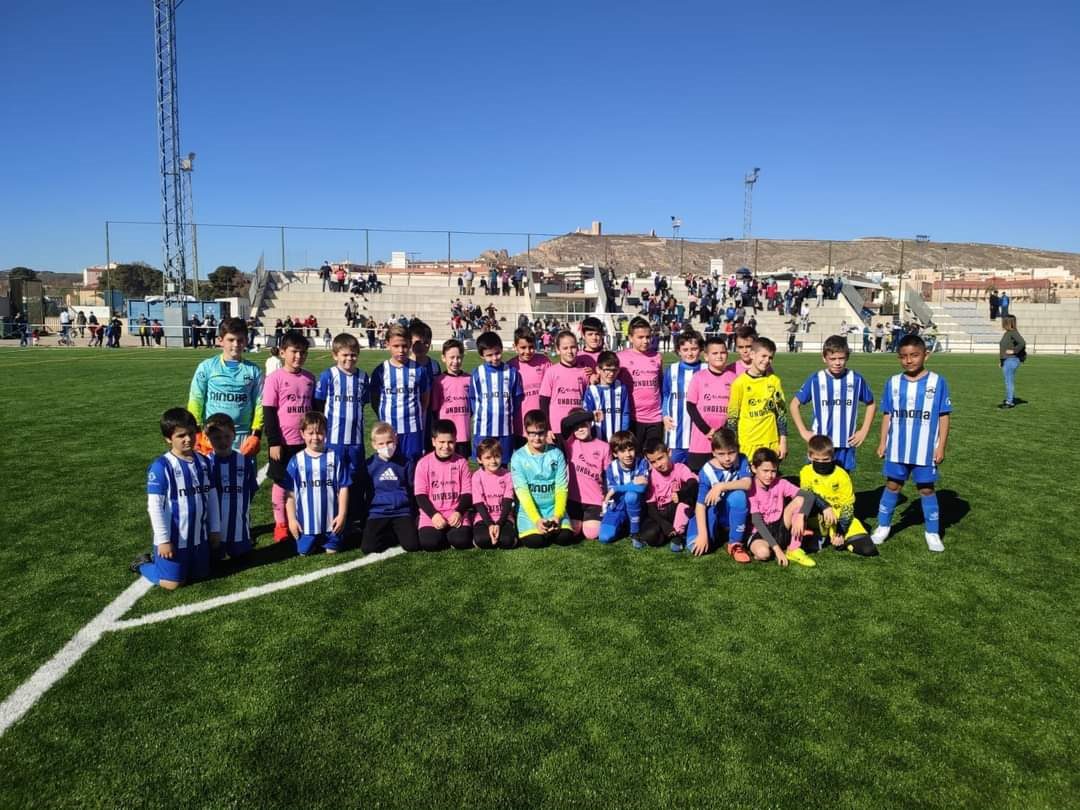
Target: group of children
(598, 445)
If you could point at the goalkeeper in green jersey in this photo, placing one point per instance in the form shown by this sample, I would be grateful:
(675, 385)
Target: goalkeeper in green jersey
(231, 385)
(542, 484)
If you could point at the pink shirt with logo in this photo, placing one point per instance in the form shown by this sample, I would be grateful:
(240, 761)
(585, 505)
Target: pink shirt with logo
(450, 400)
(588, 358)
(642, 372)
(710, 392)
(565, 385)
(491, 488)
(532, 374)
(769, 503)
(587, 461)
(664, 489)
(444, 482)
(291, 394)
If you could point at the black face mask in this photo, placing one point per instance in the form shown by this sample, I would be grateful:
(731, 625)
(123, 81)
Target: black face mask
(823, 467)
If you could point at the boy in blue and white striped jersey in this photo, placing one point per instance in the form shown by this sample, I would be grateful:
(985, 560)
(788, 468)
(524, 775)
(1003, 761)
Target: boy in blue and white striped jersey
(495, 394)
(316, 489)
(400, 393)
(608, 400)
(235, 483)
(675, 384)
(183, 509)
(836, 392)
(626, 480)
(916, 409)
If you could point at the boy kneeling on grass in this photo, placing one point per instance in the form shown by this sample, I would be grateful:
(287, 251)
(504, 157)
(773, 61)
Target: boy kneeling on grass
(183, 508)
(775, 512)
(832, 501)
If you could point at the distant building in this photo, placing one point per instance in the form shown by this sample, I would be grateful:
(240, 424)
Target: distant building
(92, 275)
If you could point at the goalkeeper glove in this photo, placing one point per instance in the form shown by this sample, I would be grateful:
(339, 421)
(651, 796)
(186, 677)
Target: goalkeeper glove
(250, 446)
(202, 444)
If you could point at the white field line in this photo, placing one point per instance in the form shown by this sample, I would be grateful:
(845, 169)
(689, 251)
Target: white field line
(251, 593)
(22, 699)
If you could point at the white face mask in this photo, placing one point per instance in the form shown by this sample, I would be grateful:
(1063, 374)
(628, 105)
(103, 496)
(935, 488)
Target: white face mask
(386, 452)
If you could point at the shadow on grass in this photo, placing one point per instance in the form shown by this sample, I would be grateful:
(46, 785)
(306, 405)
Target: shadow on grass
(265, 553)
(953, 508)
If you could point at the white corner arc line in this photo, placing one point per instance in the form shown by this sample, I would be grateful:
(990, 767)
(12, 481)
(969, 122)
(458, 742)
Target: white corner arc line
(22, 699)
(251, 593)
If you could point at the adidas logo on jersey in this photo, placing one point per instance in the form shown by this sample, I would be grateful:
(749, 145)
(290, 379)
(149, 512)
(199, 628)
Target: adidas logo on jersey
(388, 475)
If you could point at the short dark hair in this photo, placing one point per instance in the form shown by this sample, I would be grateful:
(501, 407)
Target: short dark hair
(764, 454)
(176, 418)
(745, 332)
(232, 326)
(344, 341)
(686, 336)
(295, 339)
(606, 359)
(592, 324)
(820, 444)
(442, 427)
(911, 340)
(623, 440)
(835, 343)
(453, 343)
(217, 422)
(764, 343)
(487, 447)
(637, 322)
(315, 418)
(655, 446)
(488, 341)
(715, 339)
(537, 419)
(724, 439)
(526, 334)
(417, 328)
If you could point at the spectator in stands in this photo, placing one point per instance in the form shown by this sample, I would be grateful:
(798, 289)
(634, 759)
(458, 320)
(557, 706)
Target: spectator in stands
(995, 305)
(339, 277)
(1004, 302)
(324, 275)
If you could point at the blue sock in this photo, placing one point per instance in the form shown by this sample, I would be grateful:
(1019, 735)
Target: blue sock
(885, 509)
(930, 513)
(149, 570)
(738, 510)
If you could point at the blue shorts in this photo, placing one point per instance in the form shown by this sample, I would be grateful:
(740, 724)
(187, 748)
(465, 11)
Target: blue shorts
(186, 563)
(679, 455)
(306, 543)
(845, 457)
(505, 442)
(920, 474)
(411, 446)
(354, 453)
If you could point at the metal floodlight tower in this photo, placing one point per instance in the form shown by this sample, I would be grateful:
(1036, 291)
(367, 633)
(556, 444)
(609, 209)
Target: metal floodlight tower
(173, 235)
(748, 207)
(187, 166)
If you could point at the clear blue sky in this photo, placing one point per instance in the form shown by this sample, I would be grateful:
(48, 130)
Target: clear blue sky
(958, 120)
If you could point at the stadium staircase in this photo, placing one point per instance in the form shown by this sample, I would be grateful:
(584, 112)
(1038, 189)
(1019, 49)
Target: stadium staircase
(421, 295)
(1047, 328)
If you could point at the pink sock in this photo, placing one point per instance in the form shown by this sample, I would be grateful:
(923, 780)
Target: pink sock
(277, 498)
(591, 529)
(682, 517)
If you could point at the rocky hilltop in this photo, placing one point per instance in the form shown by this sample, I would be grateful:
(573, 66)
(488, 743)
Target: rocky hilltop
(630, 252)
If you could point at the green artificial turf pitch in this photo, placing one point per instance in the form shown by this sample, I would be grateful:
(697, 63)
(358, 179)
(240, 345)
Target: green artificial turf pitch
(581, 676)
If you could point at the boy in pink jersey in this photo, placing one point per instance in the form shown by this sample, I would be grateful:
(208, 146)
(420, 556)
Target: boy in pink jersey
(442, 484)
(592, 338)
(672, 495)
(495, 524)
(776, 512)
(564, 383)
(642, 372)
(286, 398)
(707, 401)
(530, 366)
(450, 394)
(587, 458)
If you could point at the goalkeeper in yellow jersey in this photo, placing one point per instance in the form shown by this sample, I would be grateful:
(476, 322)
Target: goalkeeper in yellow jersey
(834, 503)
(757, 409)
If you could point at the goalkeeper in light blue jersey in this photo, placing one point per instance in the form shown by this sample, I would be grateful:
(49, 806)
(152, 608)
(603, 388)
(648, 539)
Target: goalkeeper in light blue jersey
(231, 385)
(542, 485)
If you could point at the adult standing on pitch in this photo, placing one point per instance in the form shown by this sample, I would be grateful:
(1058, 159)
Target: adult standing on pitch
(1012, 352)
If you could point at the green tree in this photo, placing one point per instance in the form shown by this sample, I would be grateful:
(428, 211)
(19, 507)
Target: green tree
(225, 282)
(22, 274)
(134, 280)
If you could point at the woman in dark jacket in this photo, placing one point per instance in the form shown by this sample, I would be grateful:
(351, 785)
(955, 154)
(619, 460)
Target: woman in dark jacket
(1011, 353)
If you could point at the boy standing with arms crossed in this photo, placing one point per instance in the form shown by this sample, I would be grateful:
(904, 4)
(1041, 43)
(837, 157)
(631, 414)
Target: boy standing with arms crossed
(232, 385)
(916, 409)
(836, 392)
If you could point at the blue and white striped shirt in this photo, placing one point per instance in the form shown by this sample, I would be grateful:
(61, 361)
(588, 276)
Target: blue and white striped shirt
(345, 396)
(399, 390)
(613, 401)
(711, 475)
(235, 481)
(915, 408)
(187, 488)
(315, 483)
(617, 476)
(495, 394)
(836, 403)
(673, 405)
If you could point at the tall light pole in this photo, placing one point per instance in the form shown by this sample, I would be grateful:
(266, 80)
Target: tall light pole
(748, 208)
(944, 265)
(676, 224)
(187, 169)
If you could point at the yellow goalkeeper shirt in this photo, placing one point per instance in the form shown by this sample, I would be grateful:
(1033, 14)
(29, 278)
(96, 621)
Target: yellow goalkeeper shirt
(757, 412)
(835, 489)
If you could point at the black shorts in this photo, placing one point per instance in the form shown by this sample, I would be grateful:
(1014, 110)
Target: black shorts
(781, 532)
(646, 431)
(275, 470)
(583, 511)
